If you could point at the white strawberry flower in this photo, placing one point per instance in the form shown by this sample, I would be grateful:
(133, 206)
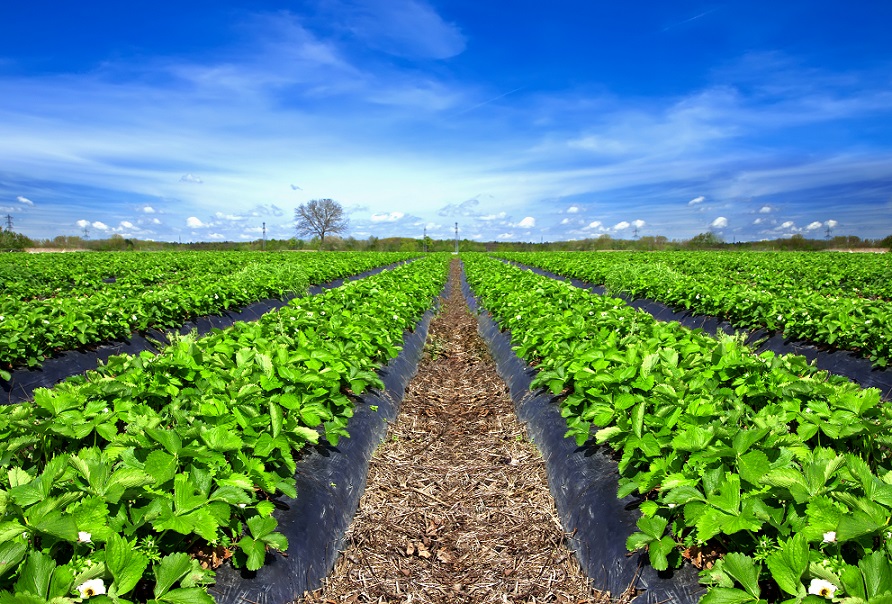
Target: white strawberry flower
(84, 536)
(93, 587)
(830, 537)
(820, 587)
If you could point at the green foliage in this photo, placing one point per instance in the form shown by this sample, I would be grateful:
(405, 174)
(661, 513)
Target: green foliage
(110, 476)
(840, 300)
(784, 466)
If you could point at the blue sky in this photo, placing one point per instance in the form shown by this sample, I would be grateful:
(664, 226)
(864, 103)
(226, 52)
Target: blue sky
(519, 120)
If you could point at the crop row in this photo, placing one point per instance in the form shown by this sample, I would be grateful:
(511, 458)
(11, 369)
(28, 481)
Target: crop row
(109, 477)
(779, 470)
(840, 300)
(32, 329)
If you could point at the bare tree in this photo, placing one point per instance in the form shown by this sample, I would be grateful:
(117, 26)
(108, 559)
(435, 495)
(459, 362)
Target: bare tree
(320, 217)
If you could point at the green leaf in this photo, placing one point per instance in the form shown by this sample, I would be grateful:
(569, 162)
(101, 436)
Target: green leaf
(171, 569)
(658, 551)
(638, 541)
(877, 574)
(20, 598)
(221, 438)
(36, 575)
(10, 530)
(239, 481)
(161, 466)
(753, 466)
(277, 541)
(275, 416)
(58, 525)
(726, 595)
(744, 570)
(308, 434)
(168, 439)
(638, 418)
(788, 564)
(256, 551)
(261, 526)
(125, 564)
(188, 595)
(857, 524)
(11, 554)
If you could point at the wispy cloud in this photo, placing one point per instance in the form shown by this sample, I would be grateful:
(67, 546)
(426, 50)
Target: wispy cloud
(362, 101)
(24, 200)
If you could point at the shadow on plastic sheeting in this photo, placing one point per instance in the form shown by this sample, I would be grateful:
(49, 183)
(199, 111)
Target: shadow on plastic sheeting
(840, 362)
(330, 481)
(584, 482)
(24, 381)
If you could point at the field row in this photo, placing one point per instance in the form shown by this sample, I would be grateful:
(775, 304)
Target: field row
(47, 309)
(782, 469)
(838, 300)
(111, 476)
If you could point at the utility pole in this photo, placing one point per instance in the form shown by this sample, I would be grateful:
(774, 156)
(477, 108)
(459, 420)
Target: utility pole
(828, 233)
(9, 222)
(263, 243)
(86, 232)
(456, 237)
(424, 241)
(635, 233)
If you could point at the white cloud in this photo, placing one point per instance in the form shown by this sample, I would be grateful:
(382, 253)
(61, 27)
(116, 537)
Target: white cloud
(505, 236)
(572, 209)
(527, 223)
(619, 226)
(24, 200)
(787, 224)
(155, 221)
(148, 209)
(488, 217)
(813, 226)
(765, 210)
(406, 28)
(126, 224)
(190, 178)
(216, 236)
(100, 225)
(758, 221)
(391, 217)
(638, 223)
(223, 216)
(194, 223)
(831, 224)
(696, 200)
(595, 224)
(565, 221)
(719, 223)
(83, 223)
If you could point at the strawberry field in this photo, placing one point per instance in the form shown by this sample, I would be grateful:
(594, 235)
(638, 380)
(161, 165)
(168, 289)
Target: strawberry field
(772, 477)
(780, 471)
(55, 302)
(839, 300)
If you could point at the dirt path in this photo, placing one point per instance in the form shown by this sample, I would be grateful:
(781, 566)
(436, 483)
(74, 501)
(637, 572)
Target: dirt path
(457, 507)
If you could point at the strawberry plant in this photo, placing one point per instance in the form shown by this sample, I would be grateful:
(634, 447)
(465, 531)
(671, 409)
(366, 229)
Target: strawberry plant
(109, 477)
(783, 467)
(120, 293)
(838, 300)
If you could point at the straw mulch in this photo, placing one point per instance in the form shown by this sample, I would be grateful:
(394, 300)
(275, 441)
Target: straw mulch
(457, 507)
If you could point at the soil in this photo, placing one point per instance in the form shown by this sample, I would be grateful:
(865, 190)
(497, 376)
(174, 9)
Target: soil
(457, 506)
